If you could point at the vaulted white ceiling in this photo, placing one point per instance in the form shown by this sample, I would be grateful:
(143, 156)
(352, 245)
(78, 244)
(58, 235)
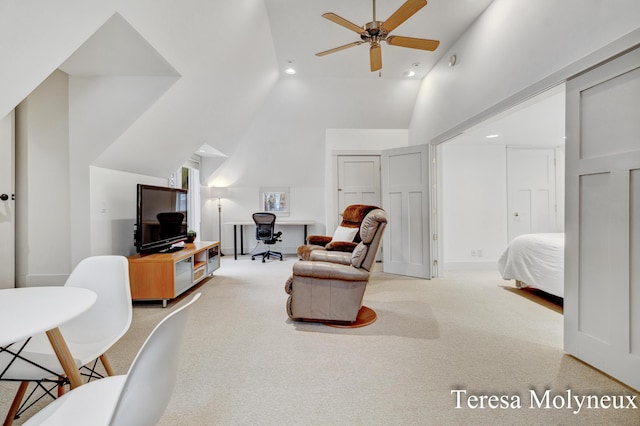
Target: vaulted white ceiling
(299, 31)
(212, 72)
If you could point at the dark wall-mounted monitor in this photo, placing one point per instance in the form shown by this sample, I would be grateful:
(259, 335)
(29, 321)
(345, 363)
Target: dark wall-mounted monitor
(161, 219)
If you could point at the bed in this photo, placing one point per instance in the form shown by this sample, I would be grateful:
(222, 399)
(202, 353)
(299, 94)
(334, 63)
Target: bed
(535, 260)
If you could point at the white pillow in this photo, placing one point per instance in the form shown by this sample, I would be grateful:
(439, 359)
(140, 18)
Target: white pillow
(344, 234)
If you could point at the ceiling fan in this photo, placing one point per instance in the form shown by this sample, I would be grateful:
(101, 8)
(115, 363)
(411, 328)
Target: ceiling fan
(375, 31)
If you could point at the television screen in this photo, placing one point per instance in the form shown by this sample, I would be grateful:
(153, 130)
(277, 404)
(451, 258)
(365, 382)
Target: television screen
(161, 217)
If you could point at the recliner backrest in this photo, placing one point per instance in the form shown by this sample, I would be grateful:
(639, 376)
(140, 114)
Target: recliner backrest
(353, 215)
(371, 229)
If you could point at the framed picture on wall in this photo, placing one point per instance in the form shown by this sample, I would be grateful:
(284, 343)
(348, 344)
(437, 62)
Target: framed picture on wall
(275, 200)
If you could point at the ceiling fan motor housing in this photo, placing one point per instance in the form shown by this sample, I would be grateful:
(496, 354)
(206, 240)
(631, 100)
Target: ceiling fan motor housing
(374, 32)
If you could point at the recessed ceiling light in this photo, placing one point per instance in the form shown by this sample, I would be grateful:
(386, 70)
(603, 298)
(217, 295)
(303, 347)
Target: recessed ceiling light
(409, 73)
(290, 70)
(492, 136)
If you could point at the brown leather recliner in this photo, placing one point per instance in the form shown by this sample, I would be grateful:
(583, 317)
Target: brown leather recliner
(352, 217)
(330, 287)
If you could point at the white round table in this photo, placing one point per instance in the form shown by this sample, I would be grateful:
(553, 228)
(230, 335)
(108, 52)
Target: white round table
(27, 311)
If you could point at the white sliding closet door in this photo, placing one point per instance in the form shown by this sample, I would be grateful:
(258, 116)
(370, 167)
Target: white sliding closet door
(602, 256)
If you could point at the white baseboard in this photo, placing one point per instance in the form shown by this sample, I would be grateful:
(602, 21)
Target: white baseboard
(483, 265)
(40, 280)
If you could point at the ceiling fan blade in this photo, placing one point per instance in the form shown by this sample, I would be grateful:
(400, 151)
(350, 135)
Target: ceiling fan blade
(341, 21)
(337, 49)
(375, 56)
(403, 13)
(413, 43)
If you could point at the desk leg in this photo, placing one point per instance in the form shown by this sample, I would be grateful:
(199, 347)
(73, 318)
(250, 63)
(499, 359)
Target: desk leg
(242, 239)
(64, 356)
(305, 235)
(235, 243)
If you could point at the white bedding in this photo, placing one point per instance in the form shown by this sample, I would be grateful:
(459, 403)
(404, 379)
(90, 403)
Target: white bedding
(537, 260)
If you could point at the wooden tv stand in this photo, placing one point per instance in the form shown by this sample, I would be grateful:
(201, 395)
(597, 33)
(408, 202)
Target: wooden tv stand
(164, 276)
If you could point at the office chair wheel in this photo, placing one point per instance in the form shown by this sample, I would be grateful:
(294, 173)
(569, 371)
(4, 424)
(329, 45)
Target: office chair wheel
(253, 258)
(262, 260)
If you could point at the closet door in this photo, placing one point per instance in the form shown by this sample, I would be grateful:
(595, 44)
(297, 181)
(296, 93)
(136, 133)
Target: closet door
(602, 255)
(531, 191)
(358, 181)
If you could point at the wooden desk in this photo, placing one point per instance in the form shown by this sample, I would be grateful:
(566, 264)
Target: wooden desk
(25, 312)
(279, 222)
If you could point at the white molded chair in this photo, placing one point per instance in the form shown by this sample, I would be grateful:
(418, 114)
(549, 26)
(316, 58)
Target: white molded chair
(88, 336)
(138, 398)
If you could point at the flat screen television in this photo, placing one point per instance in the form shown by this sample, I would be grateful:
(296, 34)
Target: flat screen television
(161, 218)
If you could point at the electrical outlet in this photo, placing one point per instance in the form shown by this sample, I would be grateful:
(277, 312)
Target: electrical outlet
(478, 252)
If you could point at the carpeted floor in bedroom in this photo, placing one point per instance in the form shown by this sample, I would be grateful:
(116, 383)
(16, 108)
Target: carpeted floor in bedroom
(245, 363)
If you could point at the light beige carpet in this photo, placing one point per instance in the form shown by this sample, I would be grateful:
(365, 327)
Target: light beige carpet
(245, 363)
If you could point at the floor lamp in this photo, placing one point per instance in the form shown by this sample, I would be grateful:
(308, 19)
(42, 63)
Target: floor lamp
(219, 192)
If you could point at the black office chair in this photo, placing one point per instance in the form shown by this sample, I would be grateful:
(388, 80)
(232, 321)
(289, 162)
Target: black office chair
(265, 227)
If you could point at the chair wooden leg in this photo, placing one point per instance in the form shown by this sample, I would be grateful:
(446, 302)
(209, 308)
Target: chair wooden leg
(15, 405)
(106, 364)
(60, 387)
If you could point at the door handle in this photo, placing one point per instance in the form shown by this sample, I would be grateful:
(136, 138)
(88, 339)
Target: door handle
(4, 197)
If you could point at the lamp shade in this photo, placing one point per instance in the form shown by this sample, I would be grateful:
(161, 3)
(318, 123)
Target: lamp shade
(218, 192)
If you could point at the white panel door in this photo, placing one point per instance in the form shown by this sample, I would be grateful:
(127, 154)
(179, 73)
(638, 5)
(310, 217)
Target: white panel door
(405, 197)
(531, 191)
(602, 254)
(358, 180)
(8, 205)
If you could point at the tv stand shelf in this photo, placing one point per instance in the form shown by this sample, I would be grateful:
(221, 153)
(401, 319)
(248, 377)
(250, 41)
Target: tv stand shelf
(164, 276)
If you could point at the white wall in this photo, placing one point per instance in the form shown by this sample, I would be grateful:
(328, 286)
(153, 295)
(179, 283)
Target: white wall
(113, 209)
(474, 198)
(513, 49)
(43, 205)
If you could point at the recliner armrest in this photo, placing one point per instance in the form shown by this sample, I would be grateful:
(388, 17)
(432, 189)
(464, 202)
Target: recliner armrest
(328, 270)
(330, 256)
(318, 240)
(344, 246)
